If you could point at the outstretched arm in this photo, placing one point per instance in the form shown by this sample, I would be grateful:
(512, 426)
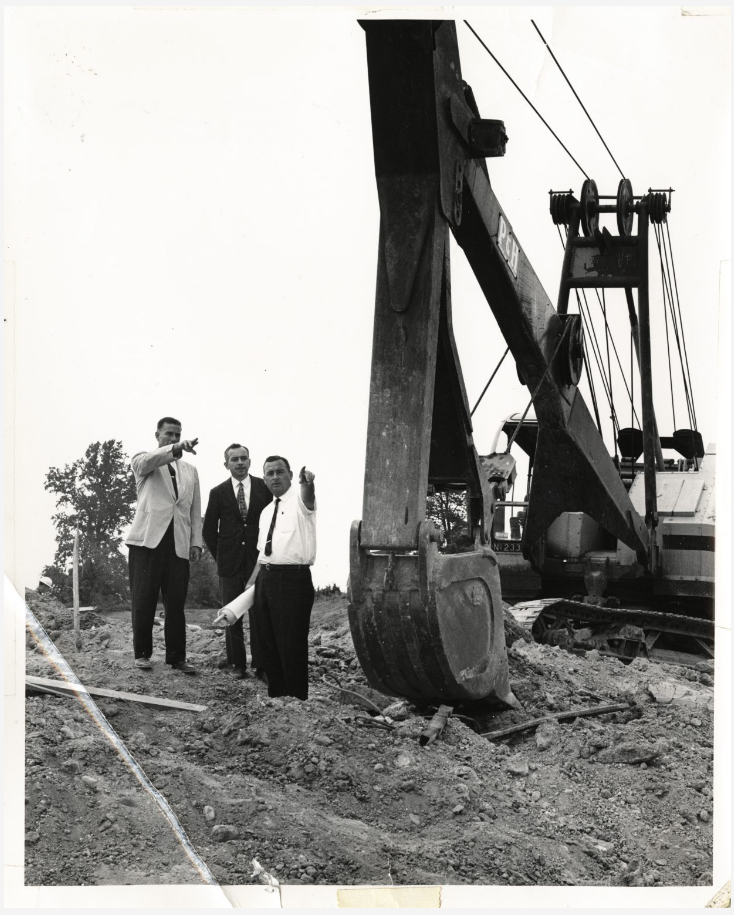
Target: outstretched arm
(146, 462)
(308, 491)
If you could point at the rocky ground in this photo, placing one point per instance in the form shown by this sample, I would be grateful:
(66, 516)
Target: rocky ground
(325, 792)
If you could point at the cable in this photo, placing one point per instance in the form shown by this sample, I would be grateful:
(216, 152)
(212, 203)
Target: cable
(682, 353)
(588, 372)
(685, 349)
(596, 349)
(535, 392)
(616, 354)
(577, 97)
(525, 97)
(632, 380)
(608, 334)
(668, 302)
(667, 334)
(491, 377)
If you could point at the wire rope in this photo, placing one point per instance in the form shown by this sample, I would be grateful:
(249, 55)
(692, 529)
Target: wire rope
(538, 386)
(668, 303)
(491, 378)
(563, 73)
(632, 380)
(607, 335)
(526, 99)
(685, 349)
(667, 334)
(599, 359)
(616, 354)
(680, 337)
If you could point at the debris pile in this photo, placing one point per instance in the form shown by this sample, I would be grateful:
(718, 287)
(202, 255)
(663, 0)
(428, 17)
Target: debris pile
(339, 790)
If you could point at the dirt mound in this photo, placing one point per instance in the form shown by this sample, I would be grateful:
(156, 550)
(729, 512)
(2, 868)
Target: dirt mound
(325, 792)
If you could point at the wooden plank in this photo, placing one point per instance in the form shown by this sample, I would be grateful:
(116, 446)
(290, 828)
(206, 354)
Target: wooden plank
(62, 686)
(46, 689)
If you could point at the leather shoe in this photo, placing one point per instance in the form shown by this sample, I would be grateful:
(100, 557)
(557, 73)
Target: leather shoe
(260, 674)
(240, 673)
(184, 667)
(144, 663)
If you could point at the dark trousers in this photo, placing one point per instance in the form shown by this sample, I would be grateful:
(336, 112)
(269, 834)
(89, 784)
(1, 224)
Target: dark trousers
(284, 598)
(234, 636)
(154, 572)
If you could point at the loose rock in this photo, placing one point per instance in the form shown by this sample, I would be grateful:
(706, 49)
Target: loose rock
(517, 765)
(224, 833)
(547, 735)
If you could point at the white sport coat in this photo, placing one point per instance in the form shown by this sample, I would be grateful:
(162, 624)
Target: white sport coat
(158, 505)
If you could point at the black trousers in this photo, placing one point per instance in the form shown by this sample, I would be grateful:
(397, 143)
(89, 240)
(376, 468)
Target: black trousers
(283, 598)
(234, 635)
(153, 572)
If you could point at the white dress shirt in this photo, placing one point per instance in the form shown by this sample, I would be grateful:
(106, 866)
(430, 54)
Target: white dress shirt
(294, 536)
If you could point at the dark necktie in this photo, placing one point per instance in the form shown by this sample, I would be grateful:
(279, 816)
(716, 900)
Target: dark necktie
(241, 501)
(173, 479)
(269, 541)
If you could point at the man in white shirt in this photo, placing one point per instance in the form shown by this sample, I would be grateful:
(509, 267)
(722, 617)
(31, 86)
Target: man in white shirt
(284, 591)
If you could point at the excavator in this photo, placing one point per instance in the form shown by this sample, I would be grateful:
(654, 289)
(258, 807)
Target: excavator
(428, 624)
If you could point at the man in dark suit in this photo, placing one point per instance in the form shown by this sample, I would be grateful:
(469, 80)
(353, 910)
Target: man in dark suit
(230, 531)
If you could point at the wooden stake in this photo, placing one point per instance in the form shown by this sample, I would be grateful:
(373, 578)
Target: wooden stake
(75, 585)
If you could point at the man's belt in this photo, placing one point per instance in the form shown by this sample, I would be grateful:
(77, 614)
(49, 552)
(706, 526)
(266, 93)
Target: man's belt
(279, 567)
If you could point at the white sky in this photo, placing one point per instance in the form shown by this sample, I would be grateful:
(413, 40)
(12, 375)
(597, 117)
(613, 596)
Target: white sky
(192, 224)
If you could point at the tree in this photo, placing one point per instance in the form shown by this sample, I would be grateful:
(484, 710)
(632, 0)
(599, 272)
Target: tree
(448, 510)
(97, 495)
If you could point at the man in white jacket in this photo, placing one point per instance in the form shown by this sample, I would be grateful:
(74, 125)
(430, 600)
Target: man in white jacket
(164, 538)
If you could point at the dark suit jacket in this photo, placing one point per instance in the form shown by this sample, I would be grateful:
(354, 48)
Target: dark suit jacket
(231, 542)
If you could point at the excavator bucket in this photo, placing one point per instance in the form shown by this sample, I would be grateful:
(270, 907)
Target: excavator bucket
(429, 627)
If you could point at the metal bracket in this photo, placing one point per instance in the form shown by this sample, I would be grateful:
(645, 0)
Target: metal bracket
(485, 138)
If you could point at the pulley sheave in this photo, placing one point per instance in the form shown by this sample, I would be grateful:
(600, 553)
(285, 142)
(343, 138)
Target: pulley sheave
(571, 353)
(589, 207)
(625, 207)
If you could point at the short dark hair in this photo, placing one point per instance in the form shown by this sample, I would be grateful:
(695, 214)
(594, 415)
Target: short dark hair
(234, 445)
(276, 457)
(167, 419)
